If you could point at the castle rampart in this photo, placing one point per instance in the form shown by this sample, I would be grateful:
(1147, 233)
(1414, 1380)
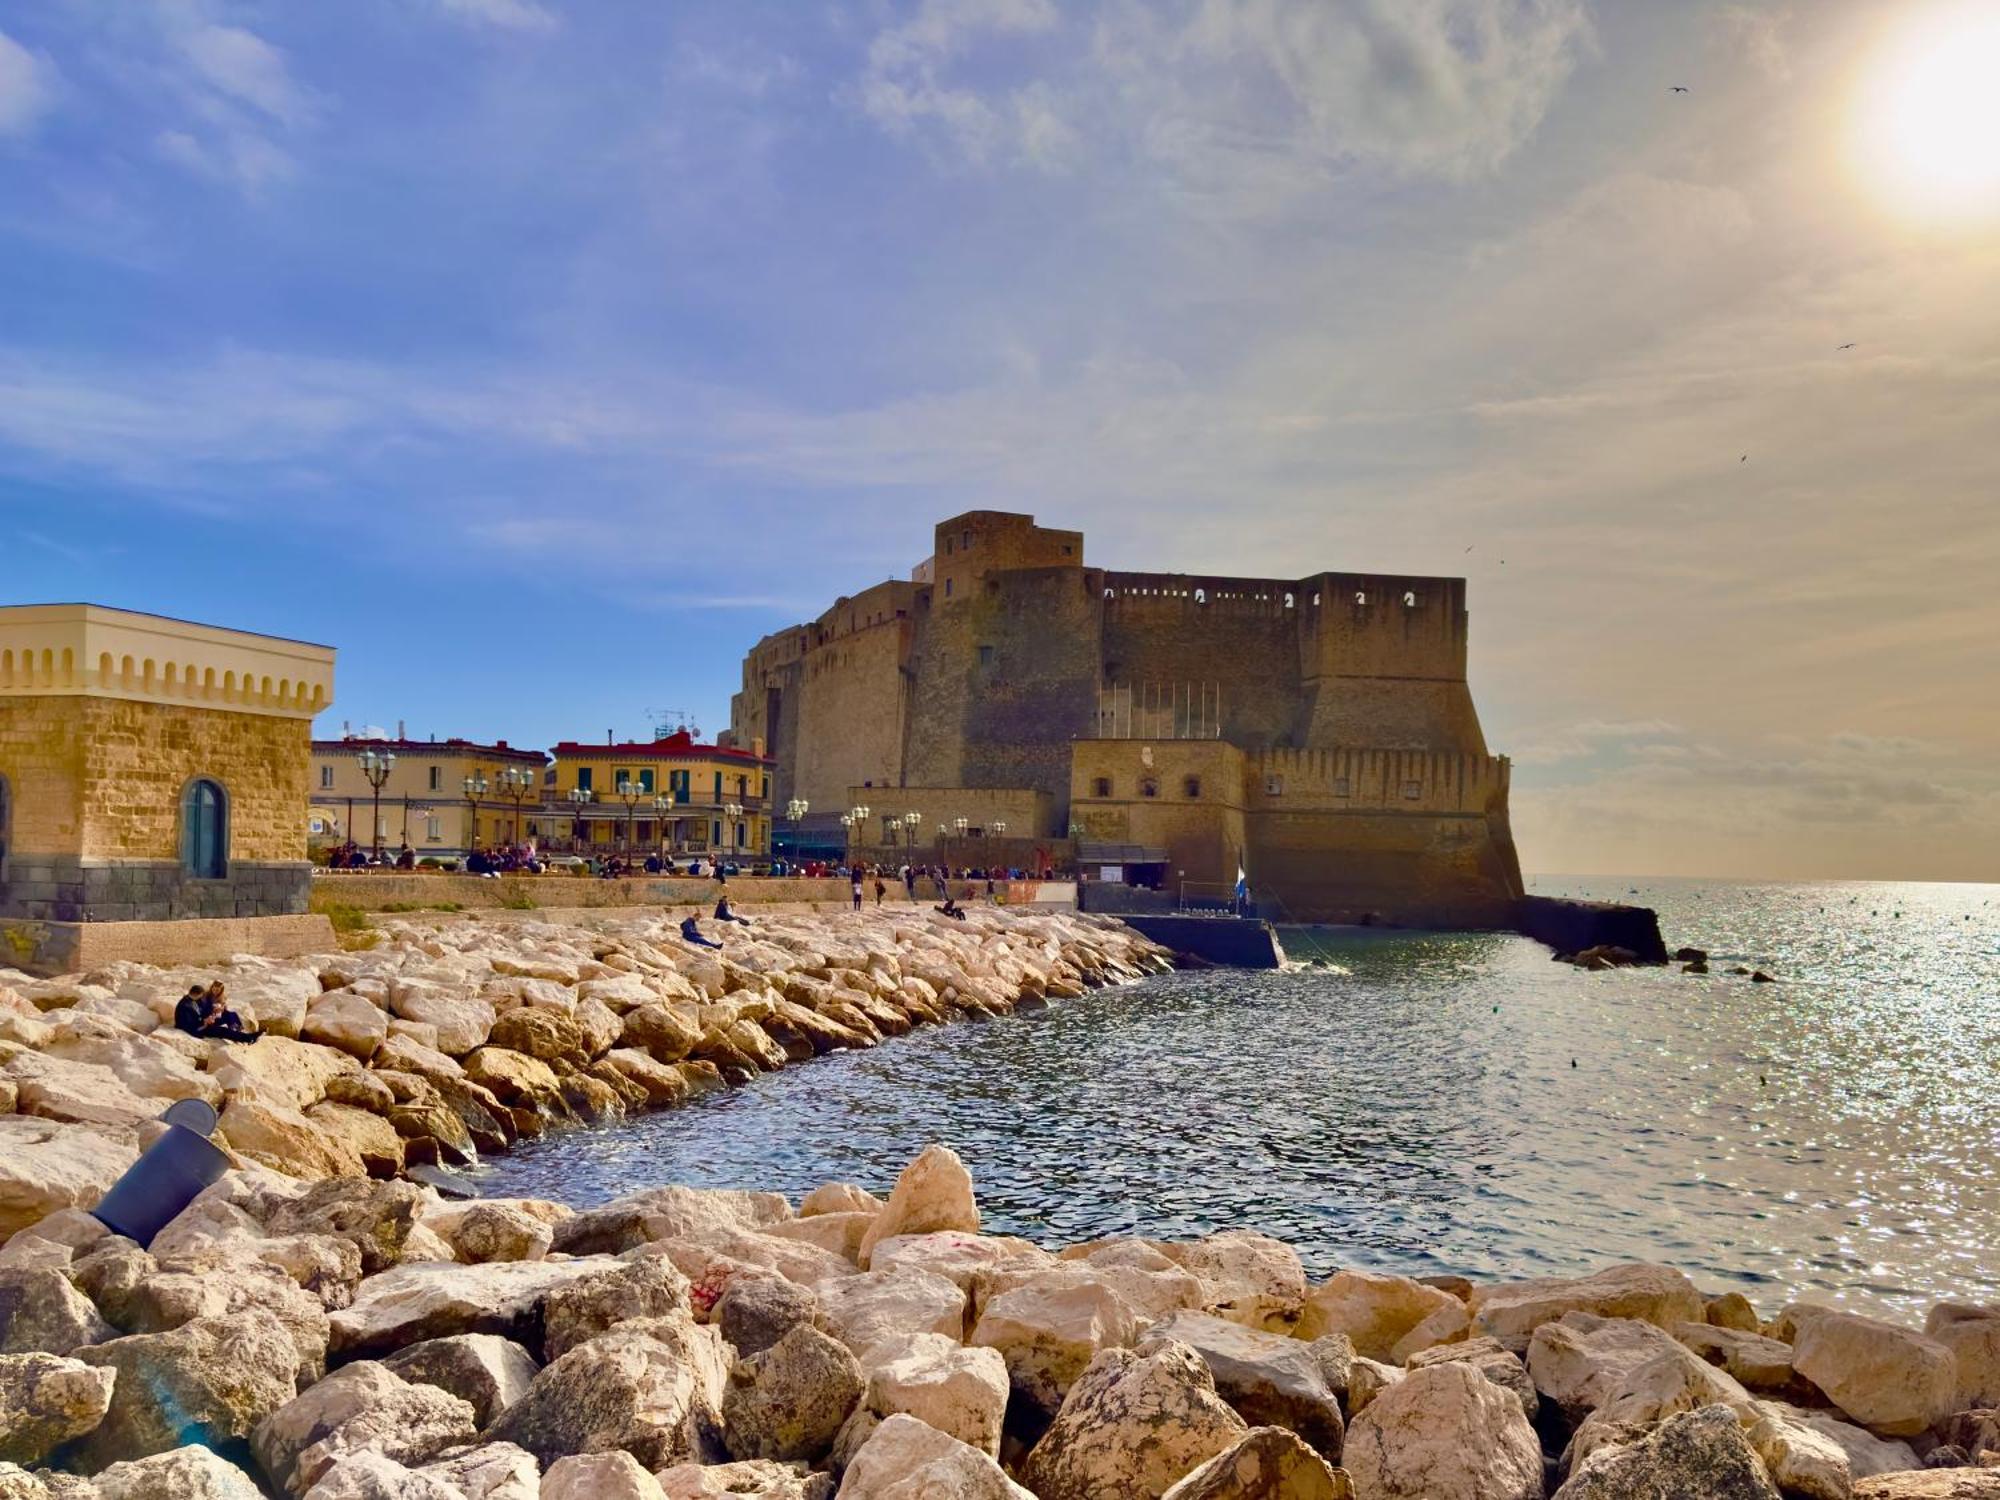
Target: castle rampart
(1007, 664)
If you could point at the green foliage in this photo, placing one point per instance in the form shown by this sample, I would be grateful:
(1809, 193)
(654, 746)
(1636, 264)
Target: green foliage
(518, 901)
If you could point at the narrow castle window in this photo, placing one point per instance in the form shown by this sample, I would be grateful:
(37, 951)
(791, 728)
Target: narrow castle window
(948, 546)
(1201, 596)
(1101, 787)
(965, 539)
(985, 656)
(947, 588)
(1412, 599)
(205, 831)
(1149, 787)
(1191, 788)
(1288, 601)
(1360, 597)
(1274, 786)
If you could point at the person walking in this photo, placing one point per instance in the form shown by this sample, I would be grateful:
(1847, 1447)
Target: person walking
(857, 887)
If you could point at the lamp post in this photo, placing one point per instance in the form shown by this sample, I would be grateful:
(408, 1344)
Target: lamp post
(376, 767)
(579, 797)
(910, 821)
(516, 782)
(631, 793)
(475, 788)
(731, 812)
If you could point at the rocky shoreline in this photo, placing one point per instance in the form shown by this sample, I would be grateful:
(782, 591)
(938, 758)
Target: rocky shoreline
(354, 1339)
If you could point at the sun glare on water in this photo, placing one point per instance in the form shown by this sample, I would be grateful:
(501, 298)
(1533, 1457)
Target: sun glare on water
(1927, 125)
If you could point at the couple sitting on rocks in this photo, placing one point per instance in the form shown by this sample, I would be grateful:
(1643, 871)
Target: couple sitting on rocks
(201, 1012)
(691, 925)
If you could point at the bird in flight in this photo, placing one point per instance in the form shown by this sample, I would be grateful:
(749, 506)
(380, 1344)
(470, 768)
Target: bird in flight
(1744, 459)
(1678, 88)
(1846, 346)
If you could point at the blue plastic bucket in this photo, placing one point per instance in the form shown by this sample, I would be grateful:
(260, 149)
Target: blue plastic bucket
(165, 1180)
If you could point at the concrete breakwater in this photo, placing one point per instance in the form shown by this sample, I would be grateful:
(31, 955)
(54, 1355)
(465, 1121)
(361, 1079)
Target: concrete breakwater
(446, 1040)
(358, 1340)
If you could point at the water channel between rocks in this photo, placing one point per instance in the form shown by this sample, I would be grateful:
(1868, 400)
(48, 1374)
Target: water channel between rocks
(1410, 1103)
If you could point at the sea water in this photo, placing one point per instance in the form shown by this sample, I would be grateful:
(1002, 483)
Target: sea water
(1451, 1102)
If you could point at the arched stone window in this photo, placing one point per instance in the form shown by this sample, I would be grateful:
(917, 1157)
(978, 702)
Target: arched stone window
(205, 830)
(1101, 787)
(1201, 596)
(1149, 786)
(1191, 788)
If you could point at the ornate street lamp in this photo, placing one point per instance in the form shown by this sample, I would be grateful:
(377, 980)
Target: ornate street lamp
(475, 788)
(731, 813)
(376, 767)
(517, 783)
(631, 793)
(579, 797)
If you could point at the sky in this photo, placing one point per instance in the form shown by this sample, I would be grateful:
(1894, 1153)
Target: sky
(543, 355)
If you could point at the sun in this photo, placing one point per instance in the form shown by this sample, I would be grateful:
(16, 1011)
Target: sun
(1928, 118)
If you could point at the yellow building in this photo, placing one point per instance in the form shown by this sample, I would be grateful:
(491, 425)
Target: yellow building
(670, 796)
(441, 797)
(153, 774)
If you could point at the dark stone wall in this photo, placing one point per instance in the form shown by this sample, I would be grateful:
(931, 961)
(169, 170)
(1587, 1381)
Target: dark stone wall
(1249, 648)
(68, 888)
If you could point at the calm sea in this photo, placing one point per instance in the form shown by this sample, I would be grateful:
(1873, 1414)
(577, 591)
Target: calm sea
(1453, 1103)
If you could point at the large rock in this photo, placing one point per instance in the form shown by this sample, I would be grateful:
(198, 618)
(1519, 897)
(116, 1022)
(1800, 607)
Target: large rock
(498, 1228)
(1512, 1311)
(1373, 1309)
(76, 1092)
(151, 1067)
(483, 1369)
(210, 1381)
(377, 1217)
(1750, 1358)
(208, 1289)
(1867, 1454)
(1251, 1278)
(279, 1137)
(1698, 1453)
(46, 1400)
(1131, 1425)
(1972, 1333)
(861, 1311)
(905, 1459)
(1268, 1463)
(753, 1479)
(666, 1213)
(579, 1310)
(372, 1475)
(1935, 1484)
(489, 1471)
(1049, 1334)
(1580, 1359)
(1268, 1378)
(46, 1166)
(191, 1473)
(463, 1022)
(1490, 1360)
(959, 1258)
(957, 1390)
(1892, 1380)
(1802, 1462)
(545, 1035)
(369, 1136)
(347, 1022)
(362, 1405)
(1444, 1433)
(431, 1300)
(933, 1193)
(789, 1402)
(1672, 1382)
(279, 1070)
(40, 1312)
(599, 1476)
(652, 1388)
(755, 1311)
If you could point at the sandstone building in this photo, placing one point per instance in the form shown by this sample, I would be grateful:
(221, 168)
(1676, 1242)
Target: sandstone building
(152, 772)
(442, 797)
(1318, 730)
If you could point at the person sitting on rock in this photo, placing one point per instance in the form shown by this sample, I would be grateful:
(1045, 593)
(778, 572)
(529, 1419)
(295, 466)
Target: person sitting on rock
(691, 933)
(723, 913)
(951, 908)
(201, 1013)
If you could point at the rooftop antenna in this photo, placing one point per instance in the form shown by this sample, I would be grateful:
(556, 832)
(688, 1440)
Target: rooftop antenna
(668, 722)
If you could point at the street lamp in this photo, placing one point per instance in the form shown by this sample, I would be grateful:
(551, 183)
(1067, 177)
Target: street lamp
(376, 767)
(516, 782)
(731, 813)
(910, 822)
(475, 788)
(579, 797)
(631, 793)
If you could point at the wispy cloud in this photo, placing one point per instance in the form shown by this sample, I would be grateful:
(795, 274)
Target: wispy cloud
(508, 15)
(27, 88)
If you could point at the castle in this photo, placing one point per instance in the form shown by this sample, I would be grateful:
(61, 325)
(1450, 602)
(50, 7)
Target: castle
(1316, 731)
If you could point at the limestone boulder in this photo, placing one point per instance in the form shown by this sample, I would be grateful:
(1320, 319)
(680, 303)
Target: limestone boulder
(368, 1136)
(376, 1217)
(1672, 1382)
(754, 1479)
(76, 1093)
(463, 1021)
(904, 1459)
(1490, 1360)
(1269, 1379)
(1934, 1484)
(839, 1198)
(616, 1475)
(789, 1402)
(662, 1032)
(149, 1066)
(496, 1229)
(1367, 1379)
(283, 1139)
(1890, 1379)
(210, 1381)
(1451, 1324)
(959, 1391)
(487, 1372)
(183, 1474)
(46, 1400)
(279, 1069)
(665, 1213)
(1660, 1295)
(346, 1022)
(1867, 1454)
(271, 996)
(1972, 1333)
(1048, 1335)
(369, 1474)
(170, 1298)
(1805, 1464)
(1132, 1424)
(578, 1310)
(46, 1166)
(755, 1311)
(430, 1300)
(1250, 1278)
(1266, 1463)
(545, 1035)
(958, 1257)
(652, 1388)
(863, 1310)
(1751, 1359)
(488, 1471)
(1444, 1433)
(1702, 1452)
(362, 1405)
(1149, 1284)
(1578, 1360)
(1733, 1310)
(42, 1313)
(933, 1193)
(1374, 1310)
